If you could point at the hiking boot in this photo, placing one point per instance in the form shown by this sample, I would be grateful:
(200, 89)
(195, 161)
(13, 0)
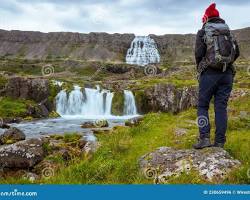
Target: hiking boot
(202, 143)
(220, 145)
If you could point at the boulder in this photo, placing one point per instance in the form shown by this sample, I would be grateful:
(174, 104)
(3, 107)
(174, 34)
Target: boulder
(37, 111)
(4, 125)
(95, 124)
(213, 164)
(12, 135)
(133, 121)
(23, 154)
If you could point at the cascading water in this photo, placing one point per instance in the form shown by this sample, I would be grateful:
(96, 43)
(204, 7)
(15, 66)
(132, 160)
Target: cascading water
(129, 103)
(78, 106)
(93, 103)
(143, 51)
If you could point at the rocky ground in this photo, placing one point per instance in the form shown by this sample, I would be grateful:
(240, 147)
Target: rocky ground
(37, 158)
(213, 164)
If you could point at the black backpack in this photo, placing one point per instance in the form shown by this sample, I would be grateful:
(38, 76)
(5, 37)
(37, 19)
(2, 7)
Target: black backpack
(220, 45)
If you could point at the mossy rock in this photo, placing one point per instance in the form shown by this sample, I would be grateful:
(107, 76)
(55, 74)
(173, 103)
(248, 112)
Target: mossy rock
(53, 114)
(71, 137)
(57, 137)
(28, 118)
(118, 103)
(3, 82)
(10, 142)
(141, 101)
(53, 91)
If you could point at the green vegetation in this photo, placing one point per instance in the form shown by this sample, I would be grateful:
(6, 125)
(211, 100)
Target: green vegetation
(68, 138)
(3, 82)
(24, 67)
(116, 161)
(13, 107)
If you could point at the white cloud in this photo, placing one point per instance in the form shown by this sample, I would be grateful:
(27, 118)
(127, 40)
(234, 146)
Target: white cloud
(131, 16)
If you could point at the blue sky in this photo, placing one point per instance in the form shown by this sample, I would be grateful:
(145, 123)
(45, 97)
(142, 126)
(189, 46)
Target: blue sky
(141, 17)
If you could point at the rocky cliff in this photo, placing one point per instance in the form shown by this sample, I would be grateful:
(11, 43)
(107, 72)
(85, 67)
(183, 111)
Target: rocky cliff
(37, 45)
(100, 46)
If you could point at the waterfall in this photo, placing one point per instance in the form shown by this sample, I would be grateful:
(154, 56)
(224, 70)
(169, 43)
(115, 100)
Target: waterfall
(61, 102)
(143, 51)
(91, 102)
(129, 103)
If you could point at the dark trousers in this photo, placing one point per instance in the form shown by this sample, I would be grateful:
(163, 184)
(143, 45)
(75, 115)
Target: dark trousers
(215, 84)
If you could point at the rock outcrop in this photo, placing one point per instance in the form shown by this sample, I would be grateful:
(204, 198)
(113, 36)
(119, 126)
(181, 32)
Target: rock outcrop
(28, 88)
(36, 89)
(12, 135)
(23, 154)
(168, 98)
(212, 164)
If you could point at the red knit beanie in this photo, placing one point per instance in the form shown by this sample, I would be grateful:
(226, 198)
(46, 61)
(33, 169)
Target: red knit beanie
(211, 11)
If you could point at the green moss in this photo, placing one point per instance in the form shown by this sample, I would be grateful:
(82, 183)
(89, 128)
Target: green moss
(14, 107)
(47, 148)
(3, 82)
(68, 86)
(9, 142)
(53, 91)
(71, 137)
(53, 114)
(56, 158)
(118, 103)
(57, 137)
(84, 71)
(28, 118)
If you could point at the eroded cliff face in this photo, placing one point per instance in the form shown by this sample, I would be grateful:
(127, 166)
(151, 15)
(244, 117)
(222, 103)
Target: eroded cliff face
(175, 47)
(101, 46)
(37, 45)
(166, 98)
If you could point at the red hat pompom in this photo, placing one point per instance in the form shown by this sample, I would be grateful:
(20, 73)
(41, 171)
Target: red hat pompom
(211, 11)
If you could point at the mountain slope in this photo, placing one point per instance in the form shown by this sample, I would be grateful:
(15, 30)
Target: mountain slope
(100, 46)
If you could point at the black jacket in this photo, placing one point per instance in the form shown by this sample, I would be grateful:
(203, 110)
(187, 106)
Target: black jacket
(201, 48)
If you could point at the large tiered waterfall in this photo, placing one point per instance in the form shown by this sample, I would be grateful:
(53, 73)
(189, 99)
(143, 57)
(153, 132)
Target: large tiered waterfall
(143, 51)
(92, 103)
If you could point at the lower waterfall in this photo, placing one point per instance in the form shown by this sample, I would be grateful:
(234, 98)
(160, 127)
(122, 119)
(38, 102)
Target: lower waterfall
(129, 103)
(91, 103)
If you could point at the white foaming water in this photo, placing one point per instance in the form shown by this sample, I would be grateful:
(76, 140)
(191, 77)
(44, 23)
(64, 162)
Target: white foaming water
(92, 103)
(143, 51)
(129, 103)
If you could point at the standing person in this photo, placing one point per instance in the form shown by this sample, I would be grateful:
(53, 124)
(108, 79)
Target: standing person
(215, 52)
